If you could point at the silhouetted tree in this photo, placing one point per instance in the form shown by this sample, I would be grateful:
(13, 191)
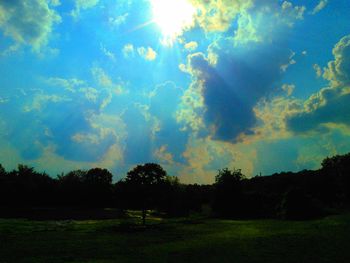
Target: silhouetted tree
(2, 171)
(98, 176)
(337, 171)
(228, 192)
(98, 186)
(297, 205)
(303, 194)
(145, 181)
(28, 187)
(71, 187)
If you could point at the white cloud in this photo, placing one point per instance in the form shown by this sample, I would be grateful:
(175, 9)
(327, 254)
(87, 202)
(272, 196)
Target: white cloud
(107, 52)
(147, 53)
(191, 46)
(119, 20)
(318, 70)
(288, 88)
(321, 5)
(83, 5)
(291, 13)
(128, 50)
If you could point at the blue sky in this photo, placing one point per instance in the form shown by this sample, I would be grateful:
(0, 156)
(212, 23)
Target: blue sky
(194, 85)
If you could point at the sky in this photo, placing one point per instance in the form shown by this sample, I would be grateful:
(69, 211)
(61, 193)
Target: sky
(194, 85)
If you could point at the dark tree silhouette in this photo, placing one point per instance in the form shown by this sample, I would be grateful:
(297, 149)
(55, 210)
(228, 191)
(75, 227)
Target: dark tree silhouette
(98, 176)
(337, 169)
(71, 188)
(292, 195)
(2, 171)
(145, 181)
(228, 192)
(27, 187)
(86, 188)
(226, 176)
(98, 185)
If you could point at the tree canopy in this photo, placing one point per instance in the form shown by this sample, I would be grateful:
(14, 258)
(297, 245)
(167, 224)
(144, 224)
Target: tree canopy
(146, 174)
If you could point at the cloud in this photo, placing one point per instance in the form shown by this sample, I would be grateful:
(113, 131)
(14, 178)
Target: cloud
(147, 53)
(164, 155)
(266, 21)
(338, 71)
(271, 114)
(68, 115)
(119, 20)
(29, 22)
(218, 15)
(205, 156)
(231, 88)
(128, 50)
(289, 63)
(330, 105)
(191, 107)
(105, 81)
(82, 5)
(191, 46)
(51, 160)
(321, 5)
(107, 53)
(318, 70)
(288, 88)
(55, 2)
(68, 84)
(163, 107)
(139, 133)
(291, 13)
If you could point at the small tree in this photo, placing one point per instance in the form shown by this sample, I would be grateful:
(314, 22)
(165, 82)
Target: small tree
(144, 179)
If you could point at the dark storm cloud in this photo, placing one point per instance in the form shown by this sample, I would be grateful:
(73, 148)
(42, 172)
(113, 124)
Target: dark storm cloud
(241, 77)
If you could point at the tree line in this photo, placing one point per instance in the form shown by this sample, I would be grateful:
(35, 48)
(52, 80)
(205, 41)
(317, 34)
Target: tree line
(301, 195)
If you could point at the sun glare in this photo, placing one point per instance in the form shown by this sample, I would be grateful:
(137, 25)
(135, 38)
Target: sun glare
(172, 18)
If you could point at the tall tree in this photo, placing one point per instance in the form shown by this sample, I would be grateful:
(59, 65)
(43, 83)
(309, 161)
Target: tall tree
(144, 180)
(228, 192)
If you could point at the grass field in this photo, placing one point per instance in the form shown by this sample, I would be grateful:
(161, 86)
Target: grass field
(176, 240)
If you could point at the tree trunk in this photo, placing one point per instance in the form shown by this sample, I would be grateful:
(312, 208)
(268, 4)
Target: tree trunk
(143, 216)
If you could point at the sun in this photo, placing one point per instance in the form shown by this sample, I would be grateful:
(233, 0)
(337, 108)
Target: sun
(172, 17)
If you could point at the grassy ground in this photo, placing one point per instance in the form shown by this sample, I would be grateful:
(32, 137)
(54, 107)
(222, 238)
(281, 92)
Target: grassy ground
(180, 240)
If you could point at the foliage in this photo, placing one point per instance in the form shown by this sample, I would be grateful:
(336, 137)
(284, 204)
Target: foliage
(228, 192)
(147, 174)
(301, 195)
(144, 183)
(226, 176)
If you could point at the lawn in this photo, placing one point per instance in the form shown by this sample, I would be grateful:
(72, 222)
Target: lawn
(176, 240)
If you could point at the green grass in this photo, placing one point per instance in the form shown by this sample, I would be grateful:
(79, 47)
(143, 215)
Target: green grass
(176, 240)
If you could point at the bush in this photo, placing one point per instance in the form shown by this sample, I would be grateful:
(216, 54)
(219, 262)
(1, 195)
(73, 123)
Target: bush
(297, 205)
